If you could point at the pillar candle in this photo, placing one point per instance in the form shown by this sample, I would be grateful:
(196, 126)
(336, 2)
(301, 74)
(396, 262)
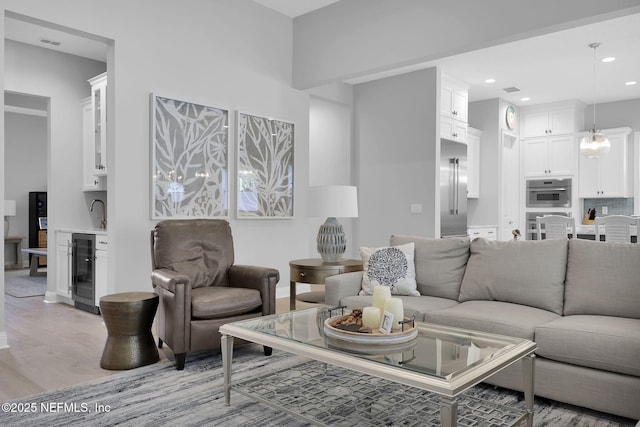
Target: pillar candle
(371, 317)
(394, 306)
(380, 296)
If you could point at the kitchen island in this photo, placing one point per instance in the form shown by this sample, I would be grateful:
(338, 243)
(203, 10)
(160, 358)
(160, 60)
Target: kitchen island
(588, 232)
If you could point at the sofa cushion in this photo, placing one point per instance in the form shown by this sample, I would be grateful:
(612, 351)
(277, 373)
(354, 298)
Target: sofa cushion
(495, 317)
(413, 306)
(389, 266)
(525, 272)
(601, 342)
(215, 302)
(440, 263)
(603, 278)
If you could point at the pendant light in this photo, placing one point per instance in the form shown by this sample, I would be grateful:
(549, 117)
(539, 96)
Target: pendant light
(595, 144)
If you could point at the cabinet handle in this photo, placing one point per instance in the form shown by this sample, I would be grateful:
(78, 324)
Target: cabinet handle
(455, 135)
(302, 274)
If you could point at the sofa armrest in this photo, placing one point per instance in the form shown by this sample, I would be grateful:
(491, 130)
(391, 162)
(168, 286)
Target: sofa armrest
(342, 285)
(167, 279)
(263, 279)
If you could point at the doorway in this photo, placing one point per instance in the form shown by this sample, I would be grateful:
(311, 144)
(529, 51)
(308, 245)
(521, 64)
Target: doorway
(49, 65)
(510, 185)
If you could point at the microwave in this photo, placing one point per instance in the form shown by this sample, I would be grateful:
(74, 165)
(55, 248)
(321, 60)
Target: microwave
(549, 193)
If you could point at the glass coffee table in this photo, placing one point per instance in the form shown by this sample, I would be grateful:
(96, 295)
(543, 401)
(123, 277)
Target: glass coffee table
(438, 359)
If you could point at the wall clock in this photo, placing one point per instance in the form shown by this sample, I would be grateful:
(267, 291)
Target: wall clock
(511, 117)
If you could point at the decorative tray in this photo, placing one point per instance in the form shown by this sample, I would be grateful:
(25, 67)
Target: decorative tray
(374, 337)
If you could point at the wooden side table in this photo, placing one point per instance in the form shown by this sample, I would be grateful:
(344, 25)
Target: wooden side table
(17, 242)
(314, 271)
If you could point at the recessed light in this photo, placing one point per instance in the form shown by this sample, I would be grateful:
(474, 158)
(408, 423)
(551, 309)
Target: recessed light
(526, 98)
(490, 81)
(631, 83)
(608, 59)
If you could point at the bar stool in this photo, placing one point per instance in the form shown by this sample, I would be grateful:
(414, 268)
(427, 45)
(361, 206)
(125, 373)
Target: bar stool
(128, 317)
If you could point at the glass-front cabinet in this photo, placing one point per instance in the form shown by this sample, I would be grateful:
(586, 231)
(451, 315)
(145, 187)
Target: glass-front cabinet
(99, 104)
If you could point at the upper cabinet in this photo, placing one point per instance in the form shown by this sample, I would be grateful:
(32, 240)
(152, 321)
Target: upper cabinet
(549, 142)
(549, 156)
(94, 136)
(454, 99)
(454, 107)
(99, 105)
(612, 174)
(551, 119)
(91, 181)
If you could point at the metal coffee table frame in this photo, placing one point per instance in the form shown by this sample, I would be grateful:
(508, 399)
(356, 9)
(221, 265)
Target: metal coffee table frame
(448, 387)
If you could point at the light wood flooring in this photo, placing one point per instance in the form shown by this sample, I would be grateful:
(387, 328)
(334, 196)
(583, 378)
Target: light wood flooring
(53, 346)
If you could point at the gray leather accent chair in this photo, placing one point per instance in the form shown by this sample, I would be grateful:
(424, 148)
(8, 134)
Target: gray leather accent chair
(199, 286)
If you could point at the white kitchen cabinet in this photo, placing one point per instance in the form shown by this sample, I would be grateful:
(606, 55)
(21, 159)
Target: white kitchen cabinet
(99, 106)
(612, 174)
(64, 261)
(91, 182)
(551, 120)
(100, 268)
(454, 106)
(454, 99)
(549, 156)
(488, 232)
(453, 130)
(473, 163)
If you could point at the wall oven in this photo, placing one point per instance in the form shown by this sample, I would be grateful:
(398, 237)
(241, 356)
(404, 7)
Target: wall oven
(549, 193)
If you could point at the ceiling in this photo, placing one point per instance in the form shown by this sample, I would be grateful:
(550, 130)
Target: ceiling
(553, 67)
(41, 36)
(293, 8)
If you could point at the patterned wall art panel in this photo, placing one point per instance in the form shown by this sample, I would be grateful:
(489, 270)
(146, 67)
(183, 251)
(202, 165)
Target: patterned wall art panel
(265, 168)
(189, 160)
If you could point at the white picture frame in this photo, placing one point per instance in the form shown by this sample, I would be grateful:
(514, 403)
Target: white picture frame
(386, 323)
(189, 159)
(265, 167)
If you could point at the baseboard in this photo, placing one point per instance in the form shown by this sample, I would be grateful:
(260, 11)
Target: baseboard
(4, 343)
(50, 297)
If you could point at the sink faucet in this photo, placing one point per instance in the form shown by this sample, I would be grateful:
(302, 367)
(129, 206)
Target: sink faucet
(103, 222)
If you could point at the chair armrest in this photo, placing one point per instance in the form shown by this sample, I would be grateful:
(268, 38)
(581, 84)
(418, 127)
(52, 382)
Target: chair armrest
(340, 286)
(167, 279)
(263, 279)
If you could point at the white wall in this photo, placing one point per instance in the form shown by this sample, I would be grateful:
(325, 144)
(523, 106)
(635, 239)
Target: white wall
(397, 139)
(231, 54)
(358, 37)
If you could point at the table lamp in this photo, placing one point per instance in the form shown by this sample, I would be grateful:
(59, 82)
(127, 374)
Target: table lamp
(9, 210)
(332, 201)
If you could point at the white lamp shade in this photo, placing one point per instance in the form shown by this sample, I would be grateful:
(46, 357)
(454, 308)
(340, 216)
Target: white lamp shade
(595, 144)
(9, 208)
(339, 201)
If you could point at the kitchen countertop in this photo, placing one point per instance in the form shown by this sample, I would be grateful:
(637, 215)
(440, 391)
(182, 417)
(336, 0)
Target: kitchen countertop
(591, 229)
(96, 231)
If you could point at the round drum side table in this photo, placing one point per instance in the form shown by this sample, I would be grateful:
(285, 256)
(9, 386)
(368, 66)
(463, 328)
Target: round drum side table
(128, 317)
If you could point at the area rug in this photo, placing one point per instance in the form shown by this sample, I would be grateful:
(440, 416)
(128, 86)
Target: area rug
(20, 285)
(158, 395)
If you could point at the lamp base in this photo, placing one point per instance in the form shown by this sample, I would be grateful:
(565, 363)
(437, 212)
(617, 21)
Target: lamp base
(331, 240)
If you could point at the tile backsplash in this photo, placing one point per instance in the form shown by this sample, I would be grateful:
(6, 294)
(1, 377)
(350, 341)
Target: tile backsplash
(616, 206)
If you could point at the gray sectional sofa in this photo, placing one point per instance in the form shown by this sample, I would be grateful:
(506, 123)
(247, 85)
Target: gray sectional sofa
(579, 300)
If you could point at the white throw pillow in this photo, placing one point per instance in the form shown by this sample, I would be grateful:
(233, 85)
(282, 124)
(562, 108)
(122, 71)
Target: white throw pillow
(391, 266)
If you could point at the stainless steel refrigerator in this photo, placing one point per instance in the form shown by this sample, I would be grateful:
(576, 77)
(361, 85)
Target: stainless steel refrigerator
(453, 188)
